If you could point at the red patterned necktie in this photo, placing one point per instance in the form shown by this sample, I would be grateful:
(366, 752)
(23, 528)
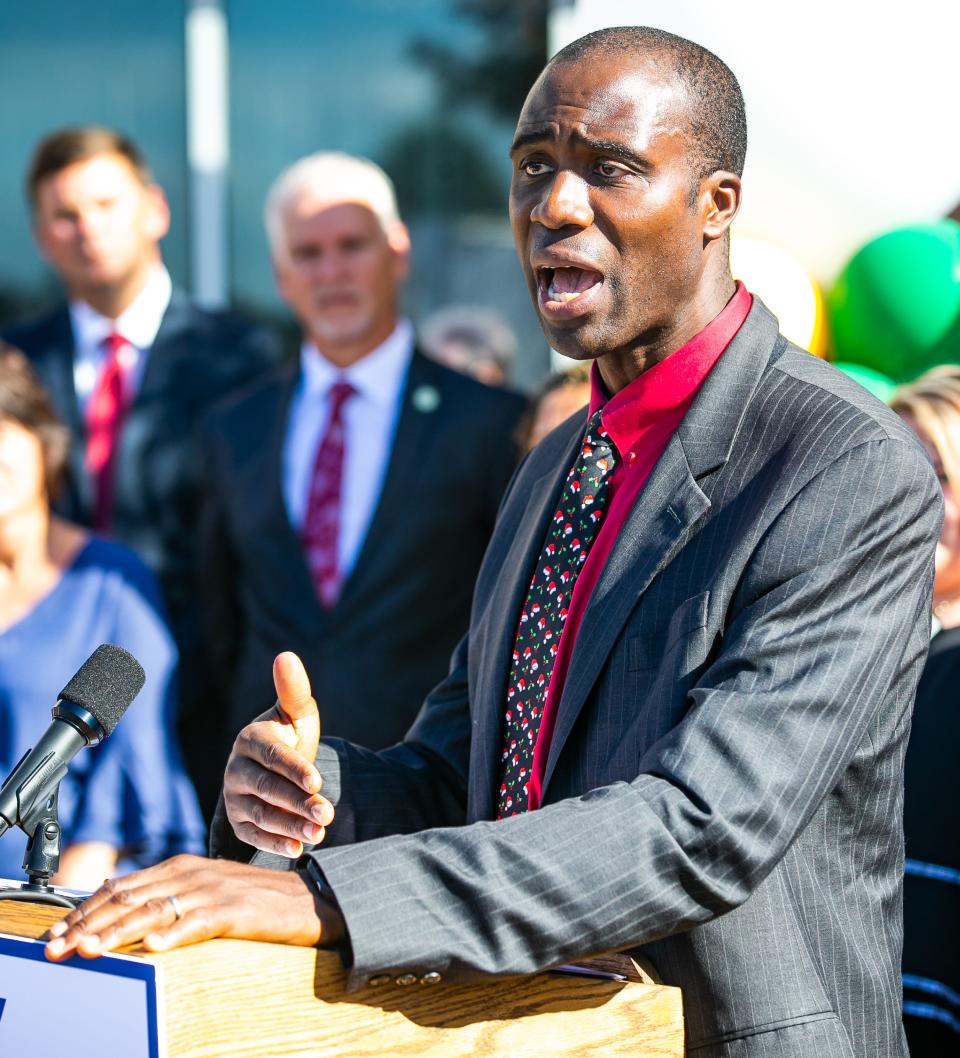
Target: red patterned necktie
(104, 417)
(571, 532)
(321, 525)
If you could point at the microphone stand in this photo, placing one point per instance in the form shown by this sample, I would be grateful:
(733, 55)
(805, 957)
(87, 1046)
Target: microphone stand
(42, 858)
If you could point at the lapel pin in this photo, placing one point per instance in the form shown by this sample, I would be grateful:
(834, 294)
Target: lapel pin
(426, 399)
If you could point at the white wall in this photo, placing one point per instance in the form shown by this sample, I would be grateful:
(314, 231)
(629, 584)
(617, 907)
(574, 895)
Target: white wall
(853, 110)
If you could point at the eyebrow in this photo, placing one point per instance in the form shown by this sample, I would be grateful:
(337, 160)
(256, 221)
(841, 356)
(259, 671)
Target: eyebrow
(526, 139)
(610, 147)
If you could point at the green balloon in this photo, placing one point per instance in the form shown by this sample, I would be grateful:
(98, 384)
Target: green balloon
(879, 385)
(896, 306)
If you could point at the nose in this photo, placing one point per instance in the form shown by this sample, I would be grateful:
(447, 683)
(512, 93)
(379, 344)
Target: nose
(330, 267)
(565, 202)
(89, 222)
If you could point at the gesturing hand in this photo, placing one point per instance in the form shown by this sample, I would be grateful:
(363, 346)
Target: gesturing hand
(271, 786)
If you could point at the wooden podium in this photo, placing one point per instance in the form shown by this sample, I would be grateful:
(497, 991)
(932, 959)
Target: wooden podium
(229, 998)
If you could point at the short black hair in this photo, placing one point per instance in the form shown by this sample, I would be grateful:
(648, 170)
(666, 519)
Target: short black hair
(718, 115)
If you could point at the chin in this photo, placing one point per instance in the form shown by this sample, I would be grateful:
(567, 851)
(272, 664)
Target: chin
(341, 328)
(100, 278)
(577, 343)
(342, 334)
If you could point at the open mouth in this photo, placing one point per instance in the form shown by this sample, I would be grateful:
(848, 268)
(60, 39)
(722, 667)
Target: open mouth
(567, 290)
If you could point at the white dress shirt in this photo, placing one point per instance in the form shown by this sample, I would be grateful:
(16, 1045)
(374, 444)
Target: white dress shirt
(370, 419)
(137, 324)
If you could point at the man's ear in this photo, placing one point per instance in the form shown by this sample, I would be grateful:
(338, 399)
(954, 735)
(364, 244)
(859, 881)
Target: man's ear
(279, 277)
(157, 222)
(39, 231)
(720, 196)
(398, 239)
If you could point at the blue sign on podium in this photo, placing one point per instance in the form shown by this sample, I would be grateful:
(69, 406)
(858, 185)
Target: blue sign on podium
(81, 1008)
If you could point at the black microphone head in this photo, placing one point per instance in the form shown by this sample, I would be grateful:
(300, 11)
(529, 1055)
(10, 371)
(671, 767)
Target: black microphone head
(105, 684)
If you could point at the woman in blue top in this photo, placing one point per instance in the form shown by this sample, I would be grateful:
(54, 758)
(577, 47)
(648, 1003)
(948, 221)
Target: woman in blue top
(126, 803)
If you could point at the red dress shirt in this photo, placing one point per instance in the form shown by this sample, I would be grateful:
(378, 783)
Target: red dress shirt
(640, 420)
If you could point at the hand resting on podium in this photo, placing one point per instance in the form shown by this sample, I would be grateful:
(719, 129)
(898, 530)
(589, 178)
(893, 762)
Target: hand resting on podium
(271, 790)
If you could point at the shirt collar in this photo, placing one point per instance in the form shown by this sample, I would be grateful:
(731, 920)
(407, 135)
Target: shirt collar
(377, 376)
(139, 321)
(668, 387)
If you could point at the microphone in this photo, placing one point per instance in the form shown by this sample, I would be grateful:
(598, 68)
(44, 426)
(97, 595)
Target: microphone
(86, 712)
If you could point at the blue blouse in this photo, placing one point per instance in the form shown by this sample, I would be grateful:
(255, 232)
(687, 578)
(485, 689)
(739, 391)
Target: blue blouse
(132, 790)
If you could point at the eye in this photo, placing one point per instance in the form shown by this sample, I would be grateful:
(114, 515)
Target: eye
(608, 169)
(304, 254)
(532, 167)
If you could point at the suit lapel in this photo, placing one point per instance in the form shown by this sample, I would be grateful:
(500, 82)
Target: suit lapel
(149, 413)
(668, 512)
(415, 433)
(164, 351)
(56, 371)
(266, 469)
(497, 631)
(664, 517)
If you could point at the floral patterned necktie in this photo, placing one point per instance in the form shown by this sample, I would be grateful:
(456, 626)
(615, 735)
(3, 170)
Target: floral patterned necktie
(571, 532)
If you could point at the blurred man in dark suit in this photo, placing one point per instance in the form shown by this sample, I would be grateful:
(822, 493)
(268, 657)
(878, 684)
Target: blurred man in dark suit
(130, 362)
(351, 497)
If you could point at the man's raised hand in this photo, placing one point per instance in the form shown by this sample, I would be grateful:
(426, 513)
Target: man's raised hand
(271, 786)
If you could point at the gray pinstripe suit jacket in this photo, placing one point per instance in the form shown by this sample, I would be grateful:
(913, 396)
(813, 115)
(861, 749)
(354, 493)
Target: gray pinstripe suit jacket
(724, 783)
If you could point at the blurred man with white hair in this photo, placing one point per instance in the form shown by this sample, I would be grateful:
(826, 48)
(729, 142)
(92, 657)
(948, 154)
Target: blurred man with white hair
(350, 499)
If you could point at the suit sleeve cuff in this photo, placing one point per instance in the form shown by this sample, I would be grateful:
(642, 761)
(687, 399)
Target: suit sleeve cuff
(315, 877)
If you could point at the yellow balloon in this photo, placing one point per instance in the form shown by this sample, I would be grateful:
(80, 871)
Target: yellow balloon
(786, 288)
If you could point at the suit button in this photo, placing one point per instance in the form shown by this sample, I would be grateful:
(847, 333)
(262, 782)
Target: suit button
(407, 979)
(432, 978)
(379, 979)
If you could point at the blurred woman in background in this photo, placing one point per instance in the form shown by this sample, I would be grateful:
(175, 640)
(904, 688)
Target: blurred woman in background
(126, 803)
(931, 965)
(563, 393)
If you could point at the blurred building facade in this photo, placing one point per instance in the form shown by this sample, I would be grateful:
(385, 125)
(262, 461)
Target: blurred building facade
(223, 94)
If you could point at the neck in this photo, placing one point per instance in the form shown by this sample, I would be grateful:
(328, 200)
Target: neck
(113, 299)
(344, 353)
(24, 542)
(620, 367)
(35, 550)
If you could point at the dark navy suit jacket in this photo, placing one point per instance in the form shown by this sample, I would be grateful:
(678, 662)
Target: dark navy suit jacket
(198, 357)
(388, 640)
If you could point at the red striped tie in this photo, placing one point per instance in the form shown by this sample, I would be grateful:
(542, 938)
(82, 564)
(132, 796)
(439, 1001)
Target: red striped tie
(321, 525)
(104, 418)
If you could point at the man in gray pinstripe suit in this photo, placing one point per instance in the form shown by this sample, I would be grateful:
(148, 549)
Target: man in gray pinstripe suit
(720, 787)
